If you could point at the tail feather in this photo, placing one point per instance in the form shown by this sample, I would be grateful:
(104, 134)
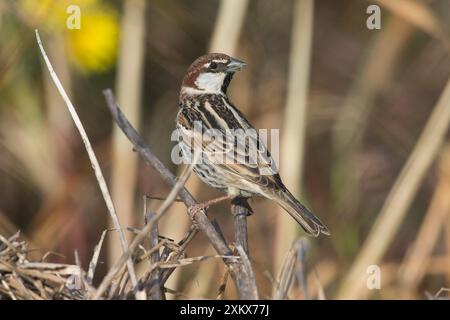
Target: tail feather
(305, 218)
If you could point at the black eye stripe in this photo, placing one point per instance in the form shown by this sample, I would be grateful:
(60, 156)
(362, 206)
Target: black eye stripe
(213, 65)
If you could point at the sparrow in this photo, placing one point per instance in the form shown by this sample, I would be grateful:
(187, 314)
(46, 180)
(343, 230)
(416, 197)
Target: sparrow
(204, 105)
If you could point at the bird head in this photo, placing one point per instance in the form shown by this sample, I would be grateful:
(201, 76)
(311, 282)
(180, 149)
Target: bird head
(211, 73)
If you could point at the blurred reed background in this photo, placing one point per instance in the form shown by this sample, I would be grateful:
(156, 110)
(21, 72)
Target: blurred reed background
(363, 118)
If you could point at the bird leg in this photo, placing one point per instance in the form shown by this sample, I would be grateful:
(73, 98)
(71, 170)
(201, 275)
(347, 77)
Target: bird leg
(243, 205)
(162, 198)
(205, 205)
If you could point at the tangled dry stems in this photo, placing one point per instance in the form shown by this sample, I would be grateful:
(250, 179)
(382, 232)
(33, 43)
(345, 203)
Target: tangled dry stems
(22, 278)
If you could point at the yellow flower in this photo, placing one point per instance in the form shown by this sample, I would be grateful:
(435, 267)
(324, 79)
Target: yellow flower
(93, 47)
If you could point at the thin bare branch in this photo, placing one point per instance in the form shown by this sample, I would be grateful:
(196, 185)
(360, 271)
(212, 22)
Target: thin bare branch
(246, 280)
(92, 157)
(143, 233)
(240, 210)
(200, 218)
(153, 284)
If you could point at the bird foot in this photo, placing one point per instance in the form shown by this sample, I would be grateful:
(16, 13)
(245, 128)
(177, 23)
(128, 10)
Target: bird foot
(193, 210)
(196, 208)
(240, 205)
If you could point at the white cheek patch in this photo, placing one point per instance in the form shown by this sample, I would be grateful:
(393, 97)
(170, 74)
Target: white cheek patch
(210, 82)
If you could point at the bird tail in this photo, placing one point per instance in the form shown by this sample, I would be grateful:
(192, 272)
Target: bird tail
(305, 218)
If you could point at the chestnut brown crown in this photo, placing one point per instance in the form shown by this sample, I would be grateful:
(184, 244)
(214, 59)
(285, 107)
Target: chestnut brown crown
(218, 64)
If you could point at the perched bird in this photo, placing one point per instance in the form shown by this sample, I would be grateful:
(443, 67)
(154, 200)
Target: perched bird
(203, 100)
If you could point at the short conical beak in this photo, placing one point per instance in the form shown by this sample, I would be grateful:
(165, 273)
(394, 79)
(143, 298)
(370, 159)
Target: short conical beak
(235, 65)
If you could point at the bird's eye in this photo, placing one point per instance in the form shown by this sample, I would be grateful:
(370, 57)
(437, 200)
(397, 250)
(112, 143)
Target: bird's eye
(213, 66)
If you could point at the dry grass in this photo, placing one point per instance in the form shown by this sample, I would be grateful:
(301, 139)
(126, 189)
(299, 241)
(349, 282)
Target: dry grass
(360, 143)
(24, 279)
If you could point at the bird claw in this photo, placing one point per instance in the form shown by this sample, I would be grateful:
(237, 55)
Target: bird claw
(243, 203)
(193, 210)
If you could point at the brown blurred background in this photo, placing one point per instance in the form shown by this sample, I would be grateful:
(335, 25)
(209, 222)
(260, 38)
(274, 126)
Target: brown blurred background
(363, 117)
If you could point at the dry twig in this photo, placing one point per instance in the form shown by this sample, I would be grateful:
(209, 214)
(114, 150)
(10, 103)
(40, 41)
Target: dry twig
(153, 285)
(143, 233)
(92, 157)
(199, 216)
